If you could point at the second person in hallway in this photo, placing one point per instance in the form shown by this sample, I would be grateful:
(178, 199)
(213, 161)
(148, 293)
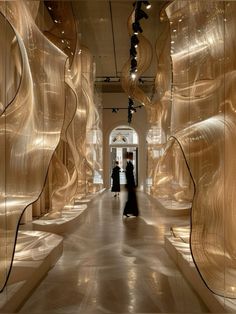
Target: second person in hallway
(131, 206)
(116, 179)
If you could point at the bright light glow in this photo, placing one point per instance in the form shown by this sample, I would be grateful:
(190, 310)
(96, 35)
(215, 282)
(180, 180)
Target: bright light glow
(136, 46)
(180, 20)
(172, 42)
(174, 30)
(133, 76)
(63, 32)
(149, 6)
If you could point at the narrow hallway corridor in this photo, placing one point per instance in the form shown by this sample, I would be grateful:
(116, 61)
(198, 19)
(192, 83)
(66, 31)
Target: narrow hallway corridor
(113, 264)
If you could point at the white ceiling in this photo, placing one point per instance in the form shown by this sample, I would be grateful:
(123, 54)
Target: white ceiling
(103, 28)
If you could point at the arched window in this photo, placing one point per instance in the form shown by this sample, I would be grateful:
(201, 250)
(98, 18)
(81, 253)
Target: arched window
(123, 135)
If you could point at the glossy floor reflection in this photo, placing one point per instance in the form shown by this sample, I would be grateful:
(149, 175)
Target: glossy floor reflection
(116, 265)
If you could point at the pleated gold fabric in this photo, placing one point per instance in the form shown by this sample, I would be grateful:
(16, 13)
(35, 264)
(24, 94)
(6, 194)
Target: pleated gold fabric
(31, 123)
(204, 123)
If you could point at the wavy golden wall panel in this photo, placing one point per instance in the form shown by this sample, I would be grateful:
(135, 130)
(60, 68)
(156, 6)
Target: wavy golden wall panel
(11, 64)
(64, 34)
(73, 157)
(172, 180)
(64, 177)
(63, 31)
(197, 51)
(88, 103)
(77, 132)
(204, 63)
(163, 81)
(60, 179)
(30, 127)
(159, 110)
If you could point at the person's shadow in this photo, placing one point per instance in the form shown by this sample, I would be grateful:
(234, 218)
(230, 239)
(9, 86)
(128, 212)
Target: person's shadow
(139, 239)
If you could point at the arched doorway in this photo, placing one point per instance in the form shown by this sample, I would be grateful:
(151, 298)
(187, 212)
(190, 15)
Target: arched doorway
(123, 139)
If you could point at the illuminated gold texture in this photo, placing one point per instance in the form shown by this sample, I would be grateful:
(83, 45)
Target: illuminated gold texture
(30, 126)
(64, 179)
(171, 179)
(159, 114)
(91, 125)
(63, 31)
(203, 121)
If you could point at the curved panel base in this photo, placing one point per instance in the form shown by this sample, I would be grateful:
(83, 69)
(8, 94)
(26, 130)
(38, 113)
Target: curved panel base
(69, 219)
(171, 207)
(179, 250)
(36, 253)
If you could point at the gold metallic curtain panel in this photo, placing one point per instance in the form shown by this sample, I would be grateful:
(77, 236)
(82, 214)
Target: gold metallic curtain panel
(32, 121)
(203, 36)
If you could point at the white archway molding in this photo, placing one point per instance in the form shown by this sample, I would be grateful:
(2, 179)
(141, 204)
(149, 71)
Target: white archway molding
(141, 131)
(129, 137)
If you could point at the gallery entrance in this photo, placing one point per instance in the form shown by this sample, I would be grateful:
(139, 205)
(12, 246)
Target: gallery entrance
(123, 139)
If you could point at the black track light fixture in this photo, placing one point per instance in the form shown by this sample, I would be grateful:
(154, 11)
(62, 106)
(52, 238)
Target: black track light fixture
(147, 4)
(137, 28)
(131, 102)
(115, 110)
(134, 40)
(133, 51)
(131, 109)
(133, 64)
(140, 14)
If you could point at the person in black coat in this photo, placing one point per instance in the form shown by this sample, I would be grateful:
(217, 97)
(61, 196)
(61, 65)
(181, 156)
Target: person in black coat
(116, 179)
(131, 206)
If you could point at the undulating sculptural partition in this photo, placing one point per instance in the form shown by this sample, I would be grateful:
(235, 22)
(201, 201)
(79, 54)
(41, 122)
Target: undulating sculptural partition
(159, 111)
(204, 123)
(93, 131)
(32, 121)
(74, 164)
(42, 111)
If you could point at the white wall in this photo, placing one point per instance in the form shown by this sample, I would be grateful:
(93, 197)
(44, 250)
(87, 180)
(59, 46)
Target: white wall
(112, 120)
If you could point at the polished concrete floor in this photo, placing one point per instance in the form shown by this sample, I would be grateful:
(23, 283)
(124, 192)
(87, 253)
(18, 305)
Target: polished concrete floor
(113, 264)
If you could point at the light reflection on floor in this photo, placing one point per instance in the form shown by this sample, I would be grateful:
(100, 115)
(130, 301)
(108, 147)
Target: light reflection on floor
(113, 264)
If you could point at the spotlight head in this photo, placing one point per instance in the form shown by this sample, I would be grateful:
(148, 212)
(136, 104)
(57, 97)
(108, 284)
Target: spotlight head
(134, 40)
(137, 28)
(132, 51)
(147, 3)
(131, 102)
(134, 63)
(129, 116)
(140, 14)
